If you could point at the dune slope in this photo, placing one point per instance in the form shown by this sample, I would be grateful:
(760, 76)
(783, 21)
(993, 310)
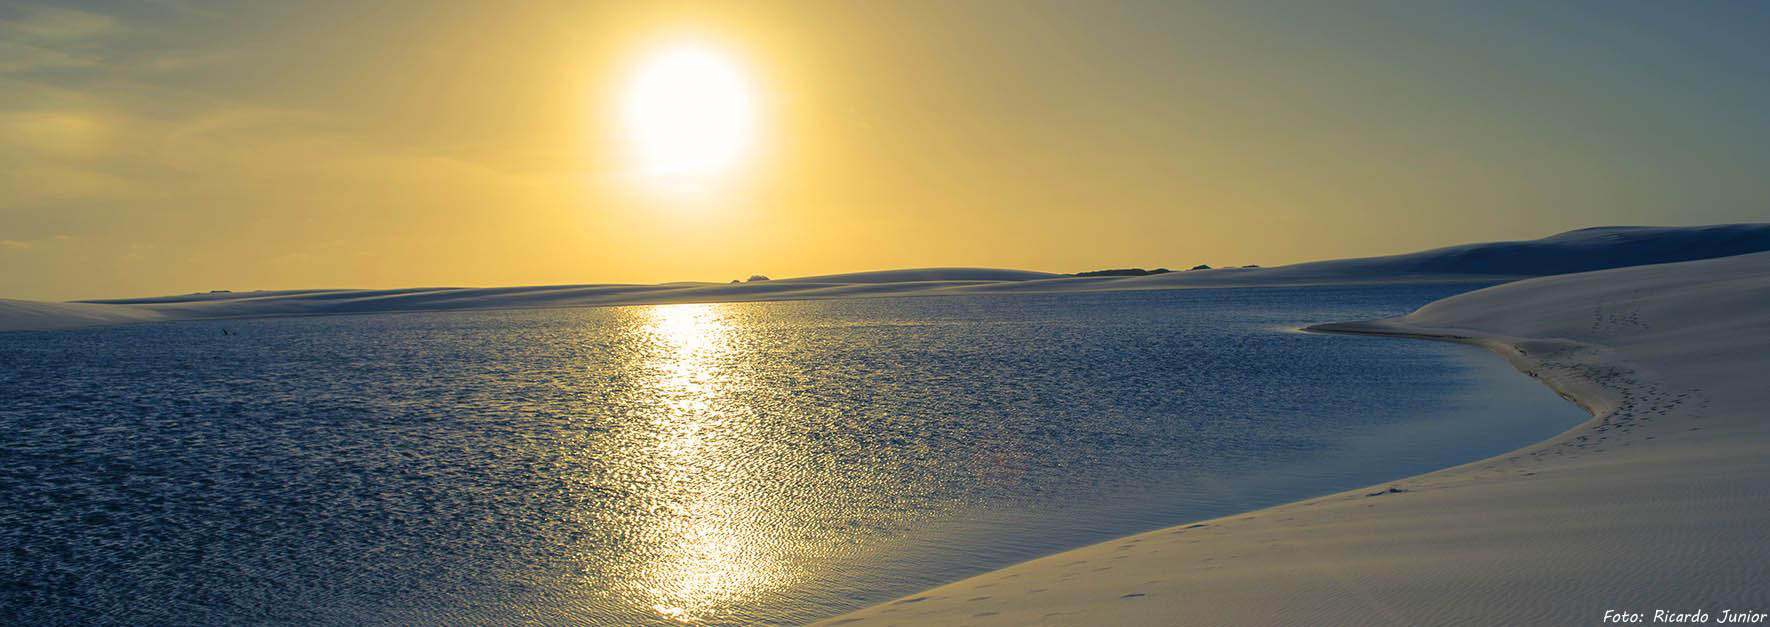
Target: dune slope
(27, 315)
(1581, 250)
(1574, 251)
(1660, 502)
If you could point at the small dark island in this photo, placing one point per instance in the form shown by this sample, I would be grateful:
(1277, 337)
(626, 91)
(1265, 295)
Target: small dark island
(1123, 272)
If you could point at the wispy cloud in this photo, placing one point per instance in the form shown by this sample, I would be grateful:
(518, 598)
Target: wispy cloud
(183, 60)
(48, 38)
(183, 6)
(16, 56)
(267, 143)
(55, 132)
(15, 244)
(58, 155)
(44, 23)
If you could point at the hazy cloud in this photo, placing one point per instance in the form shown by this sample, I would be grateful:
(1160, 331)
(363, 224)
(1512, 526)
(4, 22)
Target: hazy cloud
(17, 56)
(184, 60)
(268, 143)
(47, 38)
(14, 244)
(57, 24)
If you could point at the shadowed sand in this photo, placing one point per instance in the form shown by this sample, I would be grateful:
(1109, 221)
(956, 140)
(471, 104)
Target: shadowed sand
(1574, 251)
(1660, 501)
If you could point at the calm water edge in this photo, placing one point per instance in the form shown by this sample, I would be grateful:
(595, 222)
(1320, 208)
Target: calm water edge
(718, 463)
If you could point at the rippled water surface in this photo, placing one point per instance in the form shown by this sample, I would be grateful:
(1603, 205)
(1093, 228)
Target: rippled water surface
(722, 463)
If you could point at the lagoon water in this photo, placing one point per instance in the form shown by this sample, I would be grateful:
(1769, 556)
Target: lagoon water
(718, 463)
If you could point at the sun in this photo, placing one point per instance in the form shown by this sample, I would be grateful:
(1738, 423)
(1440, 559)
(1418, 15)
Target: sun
(689, 114)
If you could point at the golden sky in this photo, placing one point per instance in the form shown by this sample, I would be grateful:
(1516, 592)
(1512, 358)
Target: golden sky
(174, 146)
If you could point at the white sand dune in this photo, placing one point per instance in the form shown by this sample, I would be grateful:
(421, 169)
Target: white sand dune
(1582, 250)
(1660, 502)
(1573, 251)
(27, 315)
(928, 274)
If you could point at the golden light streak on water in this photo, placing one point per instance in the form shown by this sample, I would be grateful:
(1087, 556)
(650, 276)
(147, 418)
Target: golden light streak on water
(709, 549)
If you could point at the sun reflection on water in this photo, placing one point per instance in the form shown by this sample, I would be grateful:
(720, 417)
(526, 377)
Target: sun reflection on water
(710, 549)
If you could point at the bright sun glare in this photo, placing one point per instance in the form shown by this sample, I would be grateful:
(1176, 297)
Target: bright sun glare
(689, 113)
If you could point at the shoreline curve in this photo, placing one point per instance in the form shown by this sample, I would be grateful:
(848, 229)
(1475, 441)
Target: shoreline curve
(1656, 501)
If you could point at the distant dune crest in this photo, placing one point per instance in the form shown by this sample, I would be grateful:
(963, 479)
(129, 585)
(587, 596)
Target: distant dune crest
(1574, 251)
(927, 274)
